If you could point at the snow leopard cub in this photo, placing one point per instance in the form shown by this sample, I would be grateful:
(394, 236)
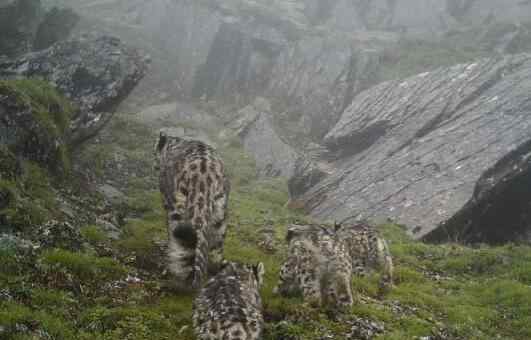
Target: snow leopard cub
(318, 267)
(195, 191)
(369, 251)
(229, 306)
(322, 260)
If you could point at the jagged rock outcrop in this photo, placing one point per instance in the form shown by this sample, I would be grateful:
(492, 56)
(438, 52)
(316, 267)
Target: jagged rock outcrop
(96, 73)
(310, 168)
(412, 150)
(274, 157)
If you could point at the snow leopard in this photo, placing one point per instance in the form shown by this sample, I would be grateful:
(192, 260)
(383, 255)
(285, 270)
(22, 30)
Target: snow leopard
(229, 306)
(318, 267)
(195, 191)
(369, 251)
(321, 261)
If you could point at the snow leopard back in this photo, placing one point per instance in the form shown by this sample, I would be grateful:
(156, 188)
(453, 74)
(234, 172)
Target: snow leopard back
(229, 306)
(195, 192)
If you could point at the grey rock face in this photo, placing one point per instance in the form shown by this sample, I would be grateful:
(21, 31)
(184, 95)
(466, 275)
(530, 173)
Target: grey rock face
(238, 64)
(273, 156)
(310, 168)
(412, 150)
(318, 76)
(96, 73)
(500, 209)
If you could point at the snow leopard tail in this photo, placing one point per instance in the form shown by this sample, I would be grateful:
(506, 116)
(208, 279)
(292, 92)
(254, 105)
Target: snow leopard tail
(188, 254)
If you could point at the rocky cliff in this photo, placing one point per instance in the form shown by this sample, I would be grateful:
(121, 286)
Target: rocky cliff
(413, 150)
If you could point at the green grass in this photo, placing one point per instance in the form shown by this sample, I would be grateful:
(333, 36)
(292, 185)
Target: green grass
(31, 199)
(468, 292)
(51, 109)
(82, 268)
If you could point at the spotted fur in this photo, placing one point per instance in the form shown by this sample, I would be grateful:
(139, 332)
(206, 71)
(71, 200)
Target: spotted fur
(229, 307)
(321, 262)
(318, 267)
(195, 191)
(369, 251)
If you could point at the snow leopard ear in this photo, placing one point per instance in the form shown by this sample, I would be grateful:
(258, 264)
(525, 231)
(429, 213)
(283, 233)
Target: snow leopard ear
(161, 142)
(259, 272)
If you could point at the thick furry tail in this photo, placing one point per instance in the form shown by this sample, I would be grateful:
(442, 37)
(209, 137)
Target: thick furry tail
(181, 251)
(188, 255)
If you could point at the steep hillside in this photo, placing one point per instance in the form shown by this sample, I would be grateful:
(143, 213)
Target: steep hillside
(103, 277)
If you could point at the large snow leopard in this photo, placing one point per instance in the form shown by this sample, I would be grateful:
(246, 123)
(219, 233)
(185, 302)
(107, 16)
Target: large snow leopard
(195, 192)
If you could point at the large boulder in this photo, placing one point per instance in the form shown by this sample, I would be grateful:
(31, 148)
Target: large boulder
(34, 123)
(95, 73)
(414, 149)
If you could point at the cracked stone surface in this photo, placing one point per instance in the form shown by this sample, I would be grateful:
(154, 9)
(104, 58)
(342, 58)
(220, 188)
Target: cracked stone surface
(273, 156)
(95, 72)
(413, 150)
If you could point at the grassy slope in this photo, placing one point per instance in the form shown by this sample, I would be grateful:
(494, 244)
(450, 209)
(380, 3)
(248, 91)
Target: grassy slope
(467, 293)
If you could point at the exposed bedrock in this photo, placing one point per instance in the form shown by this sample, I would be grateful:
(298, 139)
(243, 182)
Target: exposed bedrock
(259, 136)
(413, 150)
(500, 209)
(95, 73)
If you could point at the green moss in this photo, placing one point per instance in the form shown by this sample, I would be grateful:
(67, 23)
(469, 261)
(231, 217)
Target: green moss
(15, 317)
(94, 235)
(31, 198)
(8, 163)
(84, 268)
(51, 109)
(469, 293)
